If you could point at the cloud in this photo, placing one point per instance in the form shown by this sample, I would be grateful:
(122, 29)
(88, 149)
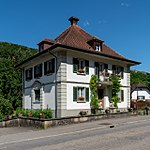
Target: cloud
(125, 5)
(86, 23)
(102, 21)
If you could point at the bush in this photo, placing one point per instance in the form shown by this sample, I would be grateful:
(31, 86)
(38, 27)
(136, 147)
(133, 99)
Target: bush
(37, 113)
(1, 117)
(6, 108)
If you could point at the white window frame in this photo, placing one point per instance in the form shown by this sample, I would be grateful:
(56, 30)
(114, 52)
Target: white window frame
(80, 94)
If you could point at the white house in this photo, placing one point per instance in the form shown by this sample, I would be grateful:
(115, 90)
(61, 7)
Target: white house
(139, 93)
(58, 76)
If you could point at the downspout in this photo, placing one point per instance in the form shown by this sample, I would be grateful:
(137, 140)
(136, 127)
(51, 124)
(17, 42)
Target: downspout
(55, 82)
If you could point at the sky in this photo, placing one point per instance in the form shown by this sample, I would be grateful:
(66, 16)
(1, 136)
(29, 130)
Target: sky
(124, 25)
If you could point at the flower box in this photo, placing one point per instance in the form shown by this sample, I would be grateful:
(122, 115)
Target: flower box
(81, 71)
(81, 98)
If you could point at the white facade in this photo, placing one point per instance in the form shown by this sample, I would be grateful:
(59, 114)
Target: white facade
(56, 89)
(141, 94)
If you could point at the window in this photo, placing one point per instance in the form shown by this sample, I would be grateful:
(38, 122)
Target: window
(97, 48)
(118, 70)
(37, 95)
(38, 71)
(141, 97)
(49, 66)
(80, 66)
(28, 73)
(98, 69)
(80, 94)
(121, 95)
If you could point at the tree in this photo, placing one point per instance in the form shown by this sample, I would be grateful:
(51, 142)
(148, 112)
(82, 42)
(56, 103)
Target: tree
(94, 94)
(115, 89)
(11, 77)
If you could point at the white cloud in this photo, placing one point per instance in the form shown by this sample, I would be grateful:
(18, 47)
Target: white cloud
(86, 23)
(125, 5)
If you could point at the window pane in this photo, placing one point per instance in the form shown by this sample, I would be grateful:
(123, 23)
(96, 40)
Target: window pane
(37, 95)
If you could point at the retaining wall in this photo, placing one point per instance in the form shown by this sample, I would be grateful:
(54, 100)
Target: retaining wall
(46, 123)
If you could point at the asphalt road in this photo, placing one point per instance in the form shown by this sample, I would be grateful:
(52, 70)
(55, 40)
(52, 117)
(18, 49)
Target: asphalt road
(112, 134)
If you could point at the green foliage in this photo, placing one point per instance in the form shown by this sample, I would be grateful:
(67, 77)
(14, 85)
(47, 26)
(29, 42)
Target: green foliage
(37, 113)
(1, 117)
(11, 77)
(94, 94)
(140, 77)
(115, 89)
(5, 107)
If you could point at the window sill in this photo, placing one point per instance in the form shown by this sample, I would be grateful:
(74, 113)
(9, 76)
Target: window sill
(48, 74)
(79, 73)
(81, 101)
(38, 102)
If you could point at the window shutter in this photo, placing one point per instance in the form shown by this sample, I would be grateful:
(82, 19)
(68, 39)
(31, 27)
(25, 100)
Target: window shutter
(122, 95)
(122, 72)
(35, 71)
(87, 94)
(74, 94)
(30, 73)
(96, 68)
(75, 64)
(40, 70)
(87, 66)
(45, 68)
(53, 65)
(105, 66)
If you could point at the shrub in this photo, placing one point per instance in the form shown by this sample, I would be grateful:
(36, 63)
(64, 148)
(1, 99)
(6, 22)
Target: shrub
(37, 113)
(1, 117)
(6, 108)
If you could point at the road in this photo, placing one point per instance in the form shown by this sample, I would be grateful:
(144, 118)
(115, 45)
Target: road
(111, 134)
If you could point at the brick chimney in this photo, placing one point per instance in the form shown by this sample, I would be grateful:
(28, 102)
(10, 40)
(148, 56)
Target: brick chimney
(73, 20)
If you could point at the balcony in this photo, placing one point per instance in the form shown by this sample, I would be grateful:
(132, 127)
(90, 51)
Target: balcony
(105, 79)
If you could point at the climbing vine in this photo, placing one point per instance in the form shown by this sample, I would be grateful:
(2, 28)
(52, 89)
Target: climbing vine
(94, 94)
(115, 89)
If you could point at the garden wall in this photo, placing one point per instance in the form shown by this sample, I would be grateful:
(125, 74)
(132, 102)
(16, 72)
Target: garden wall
(46, 123)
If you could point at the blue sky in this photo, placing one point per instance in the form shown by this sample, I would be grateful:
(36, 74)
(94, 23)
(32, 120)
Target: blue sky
(124, 25)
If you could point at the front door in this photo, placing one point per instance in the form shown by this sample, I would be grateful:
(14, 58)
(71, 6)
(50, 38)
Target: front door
(101, 97)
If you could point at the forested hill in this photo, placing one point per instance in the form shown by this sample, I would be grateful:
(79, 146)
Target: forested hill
(140, 77)
(10, 77)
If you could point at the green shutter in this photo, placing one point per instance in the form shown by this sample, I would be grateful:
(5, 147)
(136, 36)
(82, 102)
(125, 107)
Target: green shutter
(105, 66)
(40, 70)
(87, 94)
(87, 66)
(122, 95)
(53, 65)
(96, 69)
(74, 94)
(122, 72)
(45, 68)
(75, 64)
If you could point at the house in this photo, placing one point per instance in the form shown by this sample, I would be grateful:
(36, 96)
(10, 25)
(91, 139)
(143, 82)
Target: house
(140, 95)
(58, 76)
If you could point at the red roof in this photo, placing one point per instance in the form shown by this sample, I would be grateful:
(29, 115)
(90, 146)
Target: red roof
(76, 37)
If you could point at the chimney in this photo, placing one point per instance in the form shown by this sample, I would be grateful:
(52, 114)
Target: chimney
(73, 20)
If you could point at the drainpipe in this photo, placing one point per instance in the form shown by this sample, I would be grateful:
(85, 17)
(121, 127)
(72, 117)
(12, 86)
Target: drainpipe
(55, 82)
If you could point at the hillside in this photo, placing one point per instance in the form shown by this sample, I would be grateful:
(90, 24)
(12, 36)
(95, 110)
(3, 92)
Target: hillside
(11, 77)
(140, 77)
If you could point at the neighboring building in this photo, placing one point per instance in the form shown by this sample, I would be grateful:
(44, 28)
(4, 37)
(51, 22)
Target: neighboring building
(139, 92)
(58, 76)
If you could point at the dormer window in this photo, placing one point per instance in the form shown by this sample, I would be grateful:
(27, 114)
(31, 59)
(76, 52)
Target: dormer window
(98, 48)
(96, 44)
(41, 48)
